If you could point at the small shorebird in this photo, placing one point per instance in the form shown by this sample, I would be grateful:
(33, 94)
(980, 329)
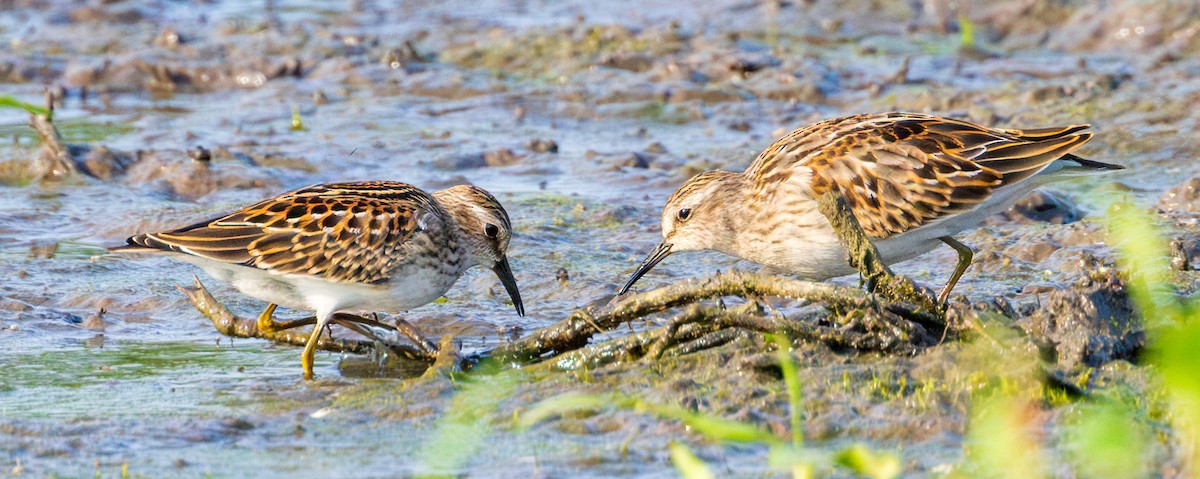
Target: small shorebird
(379, 246)
(911, 181)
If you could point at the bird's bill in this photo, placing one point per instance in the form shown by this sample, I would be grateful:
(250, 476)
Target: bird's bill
(504, 271)
(659, 254)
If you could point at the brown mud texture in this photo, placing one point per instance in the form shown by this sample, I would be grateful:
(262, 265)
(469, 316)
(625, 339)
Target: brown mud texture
(582, 117)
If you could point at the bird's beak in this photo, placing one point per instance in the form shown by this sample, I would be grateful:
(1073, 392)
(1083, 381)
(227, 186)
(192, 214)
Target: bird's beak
(659, 253)
(510, 284)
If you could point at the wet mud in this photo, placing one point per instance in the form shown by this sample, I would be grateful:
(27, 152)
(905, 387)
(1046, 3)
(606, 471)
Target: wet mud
(582, 118)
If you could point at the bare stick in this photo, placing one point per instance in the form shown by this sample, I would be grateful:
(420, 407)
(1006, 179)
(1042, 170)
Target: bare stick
(230, 325)
(54, 160)
(575, 331)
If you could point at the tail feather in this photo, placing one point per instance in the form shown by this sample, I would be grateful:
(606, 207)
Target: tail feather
(1089, 164)
(1021, 159)
(143, 243)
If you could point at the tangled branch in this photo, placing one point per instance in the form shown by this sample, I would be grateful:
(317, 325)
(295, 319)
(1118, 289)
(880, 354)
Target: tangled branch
(897, 316)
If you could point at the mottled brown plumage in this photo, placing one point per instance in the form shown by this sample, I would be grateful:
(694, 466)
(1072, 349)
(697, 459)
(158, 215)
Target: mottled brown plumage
(899, 171)
(348, 233)
(374, 245)
(910, 179)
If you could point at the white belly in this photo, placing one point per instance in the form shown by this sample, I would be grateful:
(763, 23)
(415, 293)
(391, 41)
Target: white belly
(814, 252)
(410, 288)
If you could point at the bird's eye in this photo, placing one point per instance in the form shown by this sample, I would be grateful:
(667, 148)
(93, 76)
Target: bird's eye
(684, 214)
(491, 231)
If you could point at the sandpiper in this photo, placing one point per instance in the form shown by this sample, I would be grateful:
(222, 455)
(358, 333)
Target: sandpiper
(911, 180)
(378, 246)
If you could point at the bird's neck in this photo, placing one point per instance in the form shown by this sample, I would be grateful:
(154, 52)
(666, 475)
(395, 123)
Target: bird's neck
(731, 213)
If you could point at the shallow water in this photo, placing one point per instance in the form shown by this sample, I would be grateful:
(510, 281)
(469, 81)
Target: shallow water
(636, 103)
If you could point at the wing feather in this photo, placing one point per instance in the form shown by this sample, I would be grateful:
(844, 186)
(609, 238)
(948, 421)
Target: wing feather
(901, 171)
(346, 232)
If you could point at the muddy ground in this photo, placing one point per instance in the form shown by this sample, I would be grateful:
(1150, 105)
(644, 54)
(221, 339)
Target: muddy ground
(582, 117)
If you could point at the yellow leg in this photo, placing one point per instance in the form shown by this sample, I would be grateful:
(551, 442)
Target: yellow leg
(310, 347)
(964, 261)
(265, 323)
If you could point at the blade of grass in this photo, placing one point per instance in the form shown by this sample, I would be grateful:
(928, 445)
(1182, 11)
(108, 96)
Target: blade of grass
(464, 426)
(572, 402)
(791, 380)
(712, 427)
(11, 102)
(1142, 251)
(686, 462)
(999, 443)
(966, 32)
(1110, 443)
(866, 462)
(297, 122)
(1173, 332)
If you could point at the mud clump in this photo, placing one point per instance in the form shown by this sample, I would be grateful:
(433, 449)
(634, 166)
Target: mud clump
(102, 163)
(1088, 324)
(1184, 197)
(491, 158)
(1045, 206)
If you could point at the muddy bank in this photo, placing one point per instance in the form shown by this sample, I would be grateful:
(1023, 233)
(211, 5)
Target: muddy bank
(582, 118)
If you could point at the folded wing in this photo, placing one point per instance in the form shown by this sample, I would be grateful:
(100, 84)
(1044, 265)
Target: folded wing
(349, 232)
(902, 171)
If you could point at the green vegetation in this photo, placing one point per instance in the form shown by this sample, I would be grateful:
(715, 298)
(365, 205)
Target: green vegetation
(1109, 434)
(784, 456)
(73, 131)
(11, 102)
(77, 381)
(966, 32)
(563, 211)
(297, 122)
(548, 55)
(1012, 430)
(464, 428)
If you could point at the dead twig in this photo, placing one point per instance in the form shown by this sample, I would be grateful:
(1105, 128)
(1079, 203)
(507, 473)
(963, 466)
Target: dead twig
(54, 160)
(575, 331)
(899, 319)
(287, 333)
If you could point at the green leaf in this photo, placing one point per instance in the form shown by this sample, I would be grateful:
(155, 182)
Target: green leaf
(10, 102)
(1000, 441)
(1176, 352)
(1143, 253)
(1109, 443)
(572, 402)
(966, 32)
(863, 461)
(801, 462)
(463, 428)
(712, 427)
(791, 380)
(686, 462)
(297, 122)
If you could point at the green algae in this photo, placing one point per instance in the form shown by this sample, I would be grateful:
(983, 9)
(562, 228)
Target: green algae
(74, 130)
(566, 211)
(79, 381)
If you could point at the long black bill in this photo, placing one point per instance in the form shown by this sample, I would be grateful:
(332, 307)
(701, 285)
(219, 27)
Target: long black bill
(510, 284)
(661, 252)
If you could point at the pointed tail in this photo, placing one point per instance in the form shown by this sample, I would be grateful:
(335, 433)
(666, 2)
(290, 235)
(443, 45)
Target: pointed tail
(1087, 164)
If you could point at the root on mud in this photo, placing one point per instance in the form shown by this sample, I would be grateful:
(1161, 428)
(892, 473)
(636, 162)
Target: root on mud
(898, 317)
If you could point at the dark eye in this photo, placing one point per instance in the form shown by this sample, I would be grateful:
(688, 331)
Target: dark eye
(491, 230)
(684, 214)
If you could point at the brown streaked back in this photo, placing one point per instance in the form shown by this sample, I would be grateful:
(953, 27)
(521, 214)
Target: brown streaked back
(343, 232)
(900, 171)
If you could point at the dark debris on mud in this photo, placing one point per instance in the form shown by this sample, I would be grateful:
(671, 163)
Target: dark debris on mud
(587, 117)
